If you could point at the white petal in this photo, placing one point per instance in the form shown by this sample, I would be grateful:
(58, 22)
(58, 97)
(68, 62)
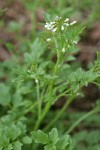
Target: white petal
(48, 39)
(67, 24)
(63, 50)
(54, 30)
(67, 19)
(62, 28)
(75, 42)
(68, 46)
(72, 22)
(66, 40)
(36, 81)
(52, 23)
(56, 18)
(47, 26)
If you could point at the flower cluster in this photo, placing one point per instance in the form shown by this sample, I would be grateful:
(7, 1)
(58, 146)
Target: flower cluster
(58, 23)
(60, 26)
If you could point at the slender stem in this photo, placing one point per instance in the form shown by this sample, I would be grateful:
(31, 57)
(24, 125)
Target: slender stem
(80, 120)
(38, 99)
(68, 102)
(61, 38)
(56, 66)
(55, 71)
(31, 107)
(43, 115)
(47, 109)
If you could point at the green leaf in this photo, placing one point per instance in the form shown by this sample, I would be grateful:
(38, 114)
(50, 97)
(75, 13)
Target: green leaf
(37, 50)
(15, 26)
(63, 142)
(70, 58)
(4, 95)
(9, 147)
(49, 147)
(4, 141)
(17, 145)
(47, 16)
(27, 140)
(53, 136)
(17, 99)
(40, 137)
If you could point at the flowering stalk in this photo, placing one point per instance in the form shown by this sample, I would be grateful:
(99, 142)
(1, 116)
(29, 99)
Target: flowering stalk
(57, 28)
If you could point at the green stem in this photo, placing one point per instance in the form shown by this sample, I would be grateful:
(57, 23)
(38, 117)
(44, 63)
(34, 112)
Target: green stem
(55, 71)
(47, 109)
(56, 66)
(30, 108)
(68, 102)
(38, 99)
(80, 120)
(43, 115)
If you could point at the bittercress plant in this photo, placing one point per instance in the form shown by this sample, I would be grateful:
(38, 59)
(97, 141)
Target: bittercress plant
(40, 79)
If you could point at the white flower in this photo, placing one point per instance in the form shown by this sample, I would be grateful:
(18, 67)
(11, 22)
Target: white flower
(63, 50)
(51, 26)
(52, 23)
(75, 42)
(57, 18)
(67, 19)
(36, 81)
(72, 22)
(48, 39)
(66, 24)
(62, 28)
(68, 45)
(48, 26)
(54, 30)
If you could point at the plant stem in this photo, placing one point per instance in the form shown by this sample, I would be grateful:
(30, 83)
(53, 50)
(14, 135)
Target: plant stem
(31, 107)
(43, 115)
(68, 102)
(81, 119)
(38, 99)
(56, 66)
